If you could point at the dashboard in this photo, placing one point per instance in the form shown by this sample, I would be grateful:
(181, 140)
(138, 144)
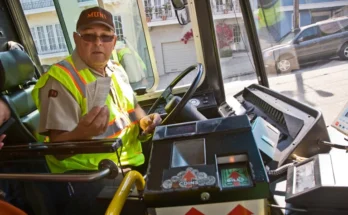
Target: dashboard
(204, 101)
(281, 125)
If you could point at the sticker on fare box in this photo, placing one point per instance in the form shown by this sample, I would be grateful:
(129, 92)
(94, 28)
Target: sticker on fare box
(190, 178)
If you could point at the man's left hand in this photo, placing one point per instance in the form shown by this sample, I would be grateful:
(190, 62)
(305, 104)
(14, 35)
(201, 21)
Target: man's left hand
(149, 122)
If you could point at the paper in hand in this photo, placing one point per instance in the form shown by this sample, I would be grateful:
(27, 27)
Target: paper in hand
(97, 92)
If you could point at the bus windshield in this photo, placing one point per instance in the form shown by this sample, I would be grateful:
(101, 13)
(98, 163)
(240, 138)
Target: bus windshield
(311, 69)
(160, 48)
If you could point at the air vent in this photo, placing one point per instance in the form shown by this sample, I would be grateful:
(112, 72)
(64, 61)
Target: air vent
(270, 111)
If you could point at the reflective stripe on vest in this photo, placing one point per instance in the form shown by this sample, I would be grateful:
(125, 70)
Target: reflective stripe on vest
(79, 82)
(114, 127)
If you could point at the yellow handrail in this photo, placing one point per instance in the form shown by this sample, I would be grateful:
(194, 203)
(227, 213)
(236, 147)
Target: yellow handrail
(122, 192)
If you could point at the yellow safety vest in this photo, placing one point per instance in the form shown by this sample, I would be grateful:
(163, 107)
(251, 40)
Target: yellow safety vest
(76, 81)
(269, 16)
(124, 51)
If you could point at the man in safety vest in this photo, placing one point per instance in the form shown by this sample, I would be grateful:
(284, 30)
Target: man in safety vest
(133, 64)
(64, 93)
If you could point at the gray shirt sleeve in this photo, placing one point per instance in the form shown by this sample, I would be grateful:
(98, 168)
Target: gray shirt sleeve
(58, 108)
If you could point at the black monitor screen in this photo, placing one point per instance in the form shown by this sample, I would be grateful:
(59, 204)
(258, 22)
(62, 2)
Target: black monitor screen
(188, 152)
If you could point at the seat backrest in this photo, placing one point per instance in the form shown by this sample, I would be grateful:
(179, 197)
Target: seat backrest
(17, 80)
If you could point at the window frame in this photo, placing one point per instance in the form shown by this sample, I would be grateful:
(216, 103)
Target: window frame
(313, 27)
(121, 29)
(342, 23)
(323, 34)
(62, 36)
(39, 43)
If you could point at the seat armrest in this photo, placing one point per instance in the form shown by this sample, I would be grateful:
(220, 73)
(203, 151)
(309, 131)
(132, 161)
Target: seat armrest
(39, 149)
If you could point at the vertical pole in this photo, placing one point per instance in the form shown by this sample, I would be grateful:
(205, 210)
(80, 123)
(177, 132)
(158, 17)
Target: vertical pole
(101, 3)
(296, 15)
(63, 25)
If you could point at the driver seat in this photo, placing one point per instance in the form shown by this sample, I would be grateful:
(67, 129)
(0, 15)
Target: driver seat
(17, 80)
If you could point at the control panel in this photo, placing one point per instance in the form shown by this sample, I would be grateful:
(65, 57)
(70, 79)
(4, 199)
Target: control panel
(318, 176)
(201, 101)
(341, 122)
(206, 156)
(296, 127)
(226, 110)
(231, 108)
(204, 100)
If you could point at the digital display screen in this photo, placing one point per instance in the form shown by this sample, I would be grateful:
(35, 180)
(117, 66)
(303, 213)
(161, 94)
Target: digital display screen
(304, 178)
(188, 153)
(181, 129)
(235, 176)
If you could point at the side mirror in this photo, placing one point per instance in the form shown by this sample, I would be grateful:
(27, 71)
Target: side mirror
(181, 11)
(300, 40)
(183, 16)
(179, 4)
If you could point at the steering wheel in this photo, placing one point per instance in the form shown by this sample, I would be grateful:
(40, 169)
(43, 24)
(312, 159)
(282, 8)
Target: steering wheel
(167, 93)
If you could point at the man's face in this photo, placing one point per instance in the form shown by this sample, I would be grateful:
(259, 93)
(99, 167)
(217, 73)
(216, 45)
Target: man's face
(95, 44)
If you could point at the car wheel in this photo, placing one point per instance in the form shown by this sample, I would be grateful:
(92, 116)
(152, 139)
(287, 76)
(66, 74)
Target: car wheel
(344, 52)
(284, 65)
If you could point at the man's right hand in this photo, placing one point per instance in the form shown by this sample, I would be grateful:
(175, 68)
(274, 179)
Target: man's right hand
(94, 123)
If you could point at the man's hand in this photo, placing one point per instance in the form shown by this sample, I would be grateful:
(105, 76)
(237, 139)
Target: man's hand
(94, 123)
(149, 122)
(2, 137)
(4, 112)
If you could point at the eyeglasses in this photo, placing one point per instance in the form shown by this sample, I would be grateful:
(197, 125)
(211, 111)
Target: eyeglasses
(93, 37)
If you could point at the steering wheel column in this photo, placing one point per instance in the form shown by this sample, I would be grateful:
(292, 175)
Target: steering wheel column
(176, 105)
(188, 113)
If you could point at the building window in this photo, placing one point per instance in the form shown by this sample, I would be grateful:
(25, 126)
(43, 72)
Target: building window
(219, 5)
(147, 3)
(33, 33)
(237, 35)
(118, 28)
(42, 39)
(158, 8)
(60, 37)
(48, 39)
(51, 38)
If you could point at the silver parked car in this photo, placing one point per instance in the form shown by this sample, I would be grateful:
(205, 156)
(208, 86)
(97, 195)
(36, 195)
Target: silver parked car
(311, 43)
